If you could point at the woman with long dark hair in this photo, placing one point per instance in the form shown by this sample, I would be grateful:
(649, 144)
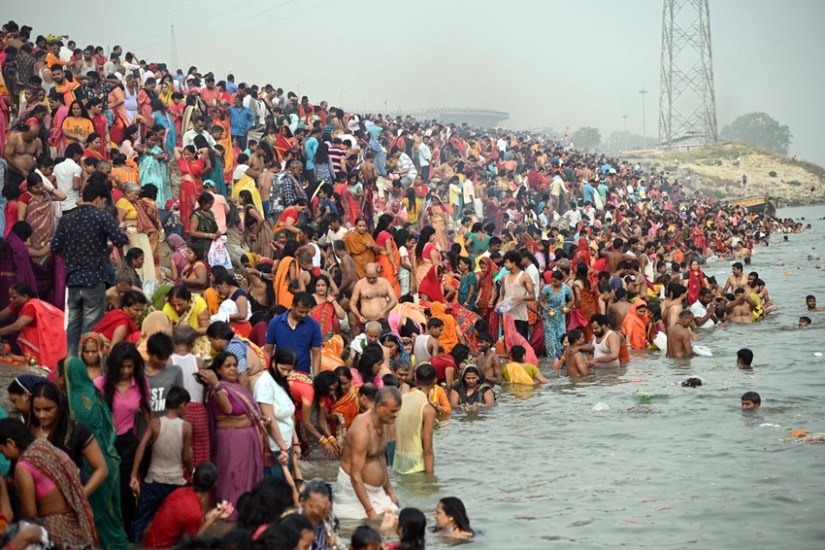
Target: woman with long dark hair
(48, 485)
(49, 419)
(273, 397)
(451, 519)
(126, 393)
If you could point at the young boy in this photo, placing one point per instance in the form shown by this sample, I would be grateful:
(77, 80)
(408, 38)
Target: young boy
(160, 376)
(744, 358)
(751, 401)
(487, 359)
(804, 322)
(184, 338)
(171, 437)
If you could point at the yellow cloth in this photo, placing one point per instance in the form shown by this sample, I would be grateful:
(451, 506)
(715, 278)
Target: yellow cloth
(409, 449)
(246, 183)
(519, 373)
(131, 212)
(198, 307)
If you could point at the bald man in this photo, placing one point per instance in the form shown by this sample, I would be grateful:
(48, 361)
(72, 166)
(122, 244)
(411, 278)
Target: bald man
(373, 297)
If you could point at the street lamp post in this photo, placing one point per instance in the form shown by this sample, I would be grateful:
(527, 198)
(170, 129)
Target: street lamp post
(643, 92)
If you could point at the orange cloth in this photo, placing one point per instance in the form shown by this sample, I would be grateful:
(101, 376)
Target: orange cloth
(439, 395)
(390, 262)
(635, 327)
(331, 353)
(358, 250)
(283, 297)
(449, 336)
(347, 406)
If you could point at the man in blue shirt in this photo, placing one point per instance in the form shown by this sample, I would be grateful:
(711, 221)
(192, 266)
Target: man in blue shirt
(82, 238)
(240, 122)
(296, 330)
(588, 193)
(310, 149)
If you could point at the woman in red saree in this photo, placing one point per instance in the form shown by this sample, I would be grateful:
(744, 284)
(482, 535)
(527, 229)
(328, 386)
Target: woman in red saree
(361, 247)
(120, 325)
(429, 289)
(191, 186)
(39, 326)
(696, 282)
(698, 237)
(427, 254)
(390, 259)
(487, 292)
(327, 310)
(582, 253)
(351, 205)
(587, 302)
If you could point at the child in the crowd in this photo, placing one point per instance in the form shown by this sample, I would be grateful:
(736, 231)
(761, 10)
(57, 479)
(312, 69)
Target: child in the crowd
(170, 437)
(184, 337)
(161, 376)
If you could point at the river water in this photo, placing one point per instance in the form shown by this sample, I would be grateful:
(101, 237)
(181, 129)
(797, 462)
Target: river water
(687, 469)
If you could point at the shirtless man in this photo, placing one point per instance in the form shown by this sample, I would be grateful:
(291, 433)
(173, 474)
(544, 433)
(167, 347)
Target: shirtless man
(679, 336)
(363, 471)
(810, 303)
(114, 294)
(372, 298)
(574, 358)
(737, 280)
(487, 359)
(673, 303)
(347, 265)
(22, 150)
(620, 307)
(741, 308)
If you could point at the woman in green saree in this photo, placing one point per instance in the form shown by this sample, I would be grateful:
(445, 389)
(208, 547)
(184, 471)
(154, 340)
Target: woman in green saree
(87, 407)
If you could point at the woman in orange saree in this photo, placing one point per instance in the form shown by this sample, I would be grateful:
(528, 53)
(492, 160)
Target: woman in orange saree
(635, 325)
(286, 271)
(450, 336)
(361, 247)
(346, 403)
(587, 302)
(390, 259)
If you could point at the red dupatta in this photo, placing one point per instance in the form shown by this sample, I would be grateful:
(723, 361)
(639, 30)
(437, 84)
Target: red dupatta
(431, 286)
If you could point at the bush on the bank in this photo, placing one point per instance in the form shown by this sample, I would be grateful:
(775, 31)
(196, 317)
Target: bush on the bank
(772, 174)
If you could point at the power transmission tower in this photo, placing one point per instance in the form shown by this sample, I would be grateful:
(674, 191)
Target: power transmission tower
(687, 101)
(174, 53)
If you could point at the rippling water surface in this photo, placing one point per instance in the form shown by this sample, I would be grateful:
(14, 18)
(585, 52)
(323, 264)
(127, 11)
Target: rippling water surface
(687, 469)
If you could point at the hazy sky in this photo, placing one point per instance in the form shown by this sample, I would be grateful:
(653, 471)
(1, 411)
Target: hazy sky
(559, 63)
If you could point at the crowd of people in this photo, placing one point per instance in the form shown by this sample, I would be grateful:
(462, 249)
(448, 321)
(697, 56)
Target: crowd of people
(248, 280)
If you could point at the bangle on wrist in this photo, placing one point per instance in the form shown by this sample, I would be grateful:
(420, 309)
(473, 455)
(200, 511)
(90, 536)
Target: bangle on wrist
(296, 444)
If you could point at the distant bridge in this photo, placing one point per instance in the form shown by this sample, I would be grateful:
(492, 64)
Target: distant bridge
(482, 118)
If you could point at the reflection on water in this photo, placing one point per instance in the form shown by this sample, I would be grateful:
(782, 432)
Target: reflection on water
(684, 467)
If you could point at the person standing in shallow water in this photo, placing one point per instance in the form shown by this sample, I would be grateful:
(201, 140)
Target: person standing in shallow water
(363, 488)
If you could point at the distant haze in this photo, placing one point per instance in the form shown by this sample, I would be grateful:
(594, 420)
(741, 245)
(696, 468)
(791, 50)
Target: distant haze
(549, 63)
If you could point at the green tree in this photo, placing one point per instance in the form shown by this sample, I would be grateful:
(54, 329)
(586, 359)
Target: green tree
(586, 138)
(759, 129)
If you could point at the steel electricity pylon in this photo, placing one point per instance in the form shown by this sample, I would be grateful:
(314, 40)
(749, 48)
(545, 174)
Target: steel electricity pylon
(687, 101)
